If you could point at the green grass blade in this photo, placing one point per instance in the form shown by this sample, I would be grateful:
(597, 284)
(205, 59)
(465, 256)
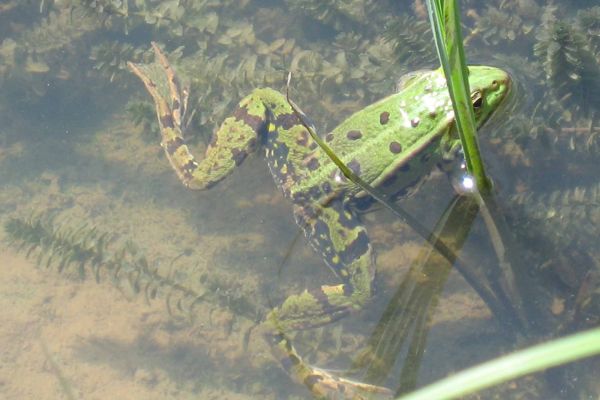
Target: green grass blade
(445, 23)
(502, 369)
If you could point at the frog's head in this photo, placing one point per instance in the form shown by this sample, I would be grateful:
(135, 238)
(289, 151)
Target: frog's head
(489, 88)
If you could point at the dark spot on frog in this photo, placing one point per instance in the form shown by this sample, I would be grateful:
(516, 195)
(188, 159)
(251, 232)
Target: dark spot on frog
(313, 164)
(401, 193)
(238, 156)
(308, 213)
(425, 157)
(313, 146)
(303, 215)
(279, 152)
(404, 168)
(286, 121)
(289, 362)
(299, 197)
(354, 167)
(166, 121)
(189, 167)
(312, 380)
(432, 114)
(302, 139)
(357, 248)
(255, 122)
(320, 235)
(315, 192)
(329, 137)
(345, 217)
(354, 135)
(389, 181)
(395, 147)
(326, 188)
(252, 143)
(348, 289)
(384, 117)
(173, 145)
(319, 294)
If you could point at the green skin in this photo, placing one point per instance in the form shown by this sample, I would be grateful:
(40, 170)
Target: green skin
(393, 143)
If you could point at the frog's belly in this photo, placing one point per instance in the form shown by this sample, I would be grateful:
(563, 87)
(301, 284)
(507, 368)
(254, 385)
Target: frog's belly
(364, 201)
(405, 180)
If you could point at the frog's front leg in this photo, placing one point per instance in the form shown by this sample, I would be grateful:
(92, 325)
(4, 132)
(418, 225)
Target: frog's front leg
(235, 139)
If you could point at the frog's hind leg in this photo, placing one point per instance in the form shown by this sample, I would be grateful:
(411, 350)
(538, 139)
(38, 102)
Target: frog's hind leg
(235, 139)
(337, 234)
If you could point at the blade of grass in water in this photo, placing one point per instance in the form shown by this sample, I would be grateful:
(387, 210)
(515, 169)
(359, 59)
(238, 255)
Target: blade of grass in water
(444, 16)
(533, 359)
(445, 24)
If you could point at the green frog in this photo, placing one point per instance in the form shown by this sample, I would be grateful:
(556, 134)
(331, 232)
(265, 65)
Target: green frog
(393, 143)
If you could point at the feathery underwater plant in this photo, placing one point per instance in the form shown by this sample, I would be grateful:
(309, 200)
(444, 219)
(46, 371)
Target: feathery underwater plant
(83, 248)
(110, 59)
(589, 22)
(411, 40)
(570, 65)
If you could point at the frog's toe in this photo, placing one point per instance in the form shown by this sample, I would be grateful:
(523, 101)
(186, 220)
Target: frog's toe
(179, 95)
(328, 386)
(321, 383)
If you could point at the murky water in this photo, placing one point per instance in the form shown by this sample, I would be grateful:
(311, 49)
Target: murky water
(185, 277)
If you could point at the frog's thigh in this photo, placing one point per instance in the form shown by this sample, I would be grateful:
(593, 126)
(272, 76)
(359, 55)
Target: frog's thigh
(336, 233)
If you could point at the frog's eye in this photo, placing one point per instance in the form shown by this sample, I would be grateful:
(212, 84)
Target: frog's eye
(477, 99)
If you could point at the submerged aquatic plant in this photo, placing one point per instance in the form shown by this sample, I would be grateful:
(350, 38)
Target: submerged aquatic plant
(572, 213)
(589, 22)
(83, 249)
(57, 31)
(571, 66)
(411, 38)
(337, 14)
(110, 59)
(507, 22)
(142, 114)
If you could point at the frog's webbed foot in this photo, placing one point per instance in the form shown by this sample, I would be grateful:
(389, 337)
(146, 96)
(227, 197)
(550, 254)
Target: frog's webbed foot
(235, 139)
(170, 113)
(333, 387)
(321, 383)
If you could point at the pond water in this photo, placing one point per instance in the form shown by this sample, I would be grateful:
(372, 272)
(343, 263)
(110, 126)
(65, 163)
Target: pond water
(119, 282)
